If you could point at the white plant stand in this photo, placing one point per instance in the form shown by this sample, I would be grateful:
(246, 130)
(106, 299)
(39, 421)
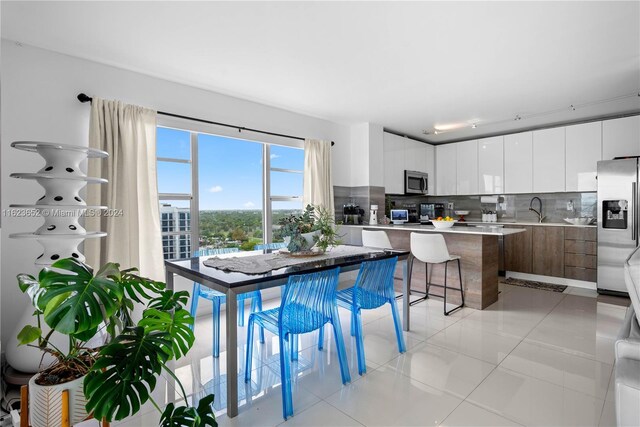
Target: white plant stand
(61, 234)
(61, 206)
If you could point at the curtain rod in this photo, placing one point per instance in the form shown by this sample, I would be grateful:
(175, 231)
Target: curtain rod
(86, 98)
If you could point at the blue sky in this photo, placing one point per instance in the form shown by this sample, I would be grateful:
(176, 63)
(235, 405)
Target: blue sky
(230, 170)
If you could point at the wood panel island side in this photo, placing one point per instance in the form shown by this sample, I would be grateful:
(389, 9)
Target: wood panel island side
(477, 247)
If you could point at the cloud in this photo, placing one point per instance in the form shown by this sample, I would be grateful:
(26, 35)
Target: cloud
(274, 156)
(215, 189)
(249, 205)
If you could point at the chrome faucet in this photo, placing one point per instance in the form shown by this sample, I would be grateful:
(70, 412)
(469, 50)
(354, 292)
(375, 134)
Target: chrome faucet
(539, 211)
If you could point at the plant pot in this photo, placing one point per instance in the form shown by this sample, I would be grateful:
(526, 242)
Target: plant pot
(307, 236)
(45, 403)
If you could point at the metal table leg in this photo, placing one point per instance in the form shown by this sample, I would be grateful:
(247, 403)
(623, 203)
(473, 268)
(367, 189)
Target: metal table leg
(168, 279)
(406, 285)
(232, 354)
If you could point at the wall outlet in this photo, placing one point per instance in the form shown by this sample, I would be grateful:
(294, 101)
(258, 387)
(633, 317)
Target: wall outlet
(450, 205)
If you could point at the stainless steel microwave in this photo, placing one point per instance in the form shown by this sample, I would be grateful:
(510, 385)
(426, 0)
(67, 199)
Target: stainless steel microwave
(416, 182)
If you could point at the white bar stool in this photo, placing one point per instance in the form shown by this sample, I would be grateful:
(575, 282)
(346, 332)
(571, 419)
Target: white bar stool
(376, 239)
(432, 249)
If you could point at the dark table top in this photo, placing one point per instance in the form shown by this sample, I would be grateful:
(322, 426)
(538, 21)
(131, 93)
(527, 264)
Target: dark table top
(196, 269)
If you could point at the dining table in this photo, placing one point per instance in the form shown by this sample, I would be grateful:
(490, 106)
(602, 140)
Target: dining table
(233, 283)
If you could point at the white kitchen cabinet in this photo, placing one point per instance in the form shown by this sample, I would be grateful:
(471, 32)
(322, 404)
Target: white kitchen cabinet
(491, 165)
(393, 151)
(431, 167)
(548, 160)
(518, 163)
(446, 166)
(402, 154)
(621, 137)
(583, 151)
(467, 167)
(415, 155)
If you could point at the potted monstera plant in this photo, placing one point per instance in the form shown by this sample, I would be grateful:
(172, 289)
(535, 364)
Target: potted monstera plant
(112, 363)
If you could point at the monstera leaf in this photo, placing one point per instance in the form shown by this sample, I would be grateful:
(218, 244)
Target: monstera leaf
(30, 286)
(125, 372)
(75, 301)
(169, 300)
(187, 416)
(136, 287)
(177, 325)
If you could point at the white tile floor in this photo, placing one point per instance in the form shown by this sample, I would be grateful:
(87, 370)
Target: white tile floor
(533, 358)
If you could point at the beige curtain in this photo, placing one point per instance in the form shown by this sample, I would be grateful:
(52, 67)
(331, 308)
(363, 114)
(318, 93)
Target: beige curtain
(128, 134)
(318, 189)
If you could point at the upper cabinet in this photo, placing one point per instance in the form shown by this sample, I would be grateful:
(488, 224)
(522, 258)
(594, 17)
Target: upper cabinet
(491, 165)
(467, 167)
(402, 154)
(393, 150)
(431, 167)
(446, 167)
(518, 164)
(583, 151)
(548, 160)
(621, 137)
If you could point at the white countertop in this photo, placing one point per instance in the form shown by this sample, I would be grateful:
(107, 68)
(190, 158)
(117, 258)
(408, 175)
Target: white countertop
(484, 231)
(543, 224)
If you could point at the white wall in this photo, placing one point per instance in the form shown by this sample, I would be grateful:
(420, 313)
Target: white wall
(39, 103)
(366, 162)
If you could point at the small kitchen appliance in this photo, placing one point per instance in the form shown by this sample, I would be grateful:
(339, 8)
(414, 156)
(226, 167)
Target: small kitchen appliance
(352, 214)
(430, 211)
(416, 182)
(373, 215)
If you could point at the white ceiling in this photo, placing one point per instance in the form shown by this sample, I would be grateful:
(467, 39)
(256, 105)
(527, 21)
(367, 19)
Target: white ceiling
(407, 66)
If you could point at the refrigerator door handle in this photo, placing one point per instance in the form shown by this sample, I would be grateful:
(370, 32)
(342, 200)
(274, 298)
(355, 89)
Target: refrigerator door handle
(634, 216)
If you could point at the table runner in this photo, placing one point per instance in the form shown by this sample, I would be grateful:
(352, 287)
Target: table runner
(263, 263)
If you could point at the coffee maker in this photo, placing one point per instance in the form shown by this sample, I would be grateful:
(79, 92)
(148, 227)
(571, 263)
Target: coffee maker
(429, 211)
(352, 214)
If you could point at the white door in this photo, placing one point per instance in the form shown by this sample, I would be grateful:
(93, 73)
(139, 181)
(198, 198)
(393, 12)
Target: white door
(518, 163)
(548, 160)
(467, 167)
(491, 165)
(621, 137)
(446, 169)
(583, 151)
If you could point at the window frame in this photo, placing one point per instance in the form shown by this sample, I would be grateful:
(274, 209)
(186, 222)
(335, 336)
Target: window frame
(194, 197)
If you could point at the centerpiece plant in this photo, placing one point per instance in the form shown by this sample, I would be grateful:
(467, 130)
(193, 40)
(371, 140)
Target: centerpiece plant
(315, 226)
(121, 371)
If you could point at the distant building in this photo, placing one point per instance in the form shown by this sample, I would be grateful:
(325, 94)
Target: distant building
(173, 220)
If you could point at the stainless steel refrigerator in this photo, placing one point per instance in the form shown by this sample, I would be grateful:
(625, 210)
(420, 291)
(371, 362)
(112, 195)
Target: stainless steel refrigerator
(617, 221)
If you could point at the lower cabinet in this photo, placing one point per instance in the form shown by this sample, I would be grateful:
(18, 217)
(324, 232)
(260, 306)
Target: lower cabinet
(569, 252)
(580, 254)
(548, 251)
(517, 250)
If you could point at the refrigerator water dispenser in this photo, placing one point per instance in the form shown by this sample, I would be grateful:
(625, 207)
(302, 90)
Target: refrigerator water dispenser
(614, 214)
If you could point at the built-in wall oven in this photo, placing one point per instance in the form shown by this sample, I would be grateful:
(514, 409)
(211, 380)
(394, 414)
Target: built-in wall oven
(416, 182)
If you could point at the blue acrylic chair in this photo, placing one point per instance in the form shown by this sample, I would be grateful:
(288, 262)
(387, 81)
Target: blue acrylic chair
(218, 298)
(308, 303)
(373, 289)
(269, 246)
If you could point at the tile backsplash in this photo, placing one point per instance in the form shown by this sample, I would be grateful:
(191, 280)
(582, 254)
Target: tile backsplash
(513, 207)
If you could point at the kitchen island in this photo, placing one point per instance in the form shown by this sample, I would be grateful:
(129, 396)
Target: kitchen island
(477, 247)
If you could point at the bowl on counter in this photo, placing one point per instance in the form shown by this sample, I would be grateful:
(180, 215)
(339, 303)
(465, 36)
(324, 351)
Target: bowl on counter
(585, 220)
(443, 223)
(461, 212)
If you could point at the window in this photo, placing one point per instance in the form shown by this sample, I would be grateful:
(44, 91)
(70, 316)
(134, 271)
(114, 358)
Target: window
(175, 189)
(220, 183)
(286, 166)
